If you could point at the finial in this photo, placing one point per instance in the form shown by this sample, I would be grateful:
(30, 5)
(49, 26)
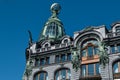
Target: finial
(55, 8)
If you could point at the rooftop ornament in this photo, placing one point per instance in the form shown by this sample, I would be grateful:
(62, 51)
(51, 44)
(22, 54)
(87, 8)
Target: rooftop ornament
(53, 29)
(55, 8)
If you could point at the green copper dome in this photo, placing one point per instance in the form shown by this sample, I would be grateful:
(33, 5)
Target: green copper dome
(53, 28)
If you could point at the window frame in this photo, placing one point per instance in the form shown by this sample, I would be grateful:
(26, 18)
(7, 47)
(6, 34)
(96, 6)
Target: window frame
(86, 50)
(59, 74)
(38, 75)
(87, 69)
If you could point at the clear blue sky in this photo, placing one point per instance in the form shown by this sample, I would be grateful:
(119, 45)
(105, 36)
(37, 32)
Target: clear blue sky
(18, 16)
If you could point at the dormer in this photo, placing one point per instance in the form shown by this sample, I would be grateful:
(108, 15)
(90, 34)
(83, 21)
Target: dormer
(116, 28)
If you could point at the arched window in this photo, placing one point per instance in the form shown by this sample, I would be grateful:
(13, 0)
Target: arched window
(52, 29)
(46, 45)
(41, 76)
(116, 70)
(118, 30)
(89, 48)
(90, 60)
(63, 74)
(66, 41)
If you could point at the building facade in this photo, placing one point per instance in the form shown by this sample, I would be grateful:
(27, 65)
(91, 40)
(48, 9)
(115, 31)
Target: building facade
(50, 57)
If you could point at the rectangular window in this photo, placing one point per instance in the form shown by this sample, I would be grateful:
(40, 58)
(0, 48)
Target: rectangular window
(63, 57)
(37, 62)
(83, 70)
(112, 49)
(96, 50)
(97, 68)
(90, 69)
(118, 48)
(69, 57)
(47, 60)
(90, 51)
(42, 61)
(57, 58)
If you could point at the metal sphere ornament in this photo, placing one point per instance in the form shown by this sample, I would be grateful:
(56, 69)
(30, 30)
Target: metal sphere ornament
(55, 8)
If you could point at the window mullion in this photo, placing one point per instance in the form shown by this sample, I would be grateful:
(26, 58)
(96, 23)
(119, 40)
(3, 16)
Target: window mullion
(94, 69)
(86, 70)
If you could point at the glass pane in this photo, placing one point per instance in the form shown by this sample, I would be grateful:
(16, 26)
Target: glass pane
(63, 73)
(57, 76)
(42, 61)
(83, 70)
(115, 68)
(57, 58)
(57, 31)
(46, 77)
(112, 49)
(118, 29)
(97, 68)
(69, 74)
(90, 69)
(83, 53)
(36, 77)
(65, 41)
(90, 51)
(96, 50)
(37, 62)
(47, 60)
(118, 48)
(69, 56)
(63, 57)
(51, 29)
(42, 76)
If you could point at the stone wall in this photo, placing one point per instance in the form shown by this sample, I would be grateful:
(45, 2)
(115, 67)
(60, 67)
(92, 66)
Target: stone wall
(54, 67)
(107, 72)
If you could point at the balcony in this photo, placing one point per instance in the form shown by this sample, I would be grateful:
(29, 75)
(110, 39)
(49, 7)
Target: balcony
(94, 77)
(117, 76)
(90, 59)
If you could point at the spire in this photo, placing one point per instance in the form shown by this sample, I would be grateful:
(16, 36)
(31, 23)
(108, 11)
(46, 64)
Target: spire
(53, 28)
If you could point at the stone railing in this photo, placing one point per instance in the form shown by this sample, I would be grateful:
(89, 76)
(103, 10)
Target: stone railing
(57, 46)
(115, 34)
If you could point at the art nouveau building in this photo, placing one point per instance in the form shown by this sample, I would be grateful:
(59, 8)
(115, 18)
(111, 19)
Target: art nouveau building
(51, 56)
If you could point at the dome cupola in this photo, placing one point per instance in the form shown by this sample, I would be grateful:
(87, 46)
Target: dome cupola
(53, 29)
